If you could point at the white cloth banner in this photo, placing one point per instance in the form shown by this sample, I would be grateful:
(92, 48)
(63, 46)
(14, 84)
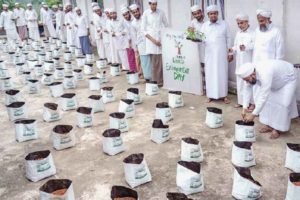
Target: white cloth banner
(181, 63)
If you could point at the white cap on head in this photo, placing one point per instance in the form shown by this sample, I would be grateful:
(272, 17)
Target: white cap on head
(133, 6)
(43, 3)
(96, 8)
(17, 4)
(60, 5)
(212, 8)
(112, 10)
(45, 6)
(106, 9)
(195, 8)
(29, 4)
(124, 10)
(68, 4)
(54, 6)
(245, 70)
(264, 12)
(94, 4)
(4, 5)
(152, 1)
(76, 9)
(242, 17)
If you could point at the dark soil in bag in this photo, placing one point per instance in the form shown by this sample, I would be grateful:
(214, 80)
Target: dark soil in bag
(62, 129)
(295, 147)
(38, 155)
(77, 70)
(243, 123)
(55, 83)
(84, 110)
(33, 80)
(157, 123)
(134, 159)
(190, 140)
(133, 90)
(177, 196)
(25, 121)
(68, 76)
(12, 92)
(17, 104)
(68, 62)
(175, 92)
(95, 97)
(52, 106)
(112, 133)
(89, 64)
(56, 186)
(295, 178)
(118, 115)
(123, 192)
(115, 65)
(26, 73)
(214, 110)
(20, 64)
(49, 61)
(162, 105)
(38, 65)
(68, 95)
(246, 173)
(152, 82)
(94, 78)
(193, 166)
(243, 145)
(108, 88)
(47, 74)
(127, 101)
(59, 68)
(128, 73)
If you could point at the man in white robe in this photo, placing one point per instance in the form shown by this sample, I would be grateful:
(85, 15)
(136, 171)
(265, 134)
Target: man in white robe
(196, 25)
(154, 21)
(106, 37)
(269, 42)
(243, 49)
(48, 23)
(60, 20)
(140, 42)
(217, 43)
(119, 40)
(7, 22)
(19, 13)
(32, 23)
(70, 26)
(99, 26)
(276, 102)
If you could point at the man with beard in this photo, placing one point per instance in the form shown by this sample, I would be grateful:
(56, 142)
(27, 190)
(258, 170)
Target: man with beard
(153, 21)
(268, 38)
(243, 49)
(99, 24)
(19, 13)
(217, 43)
(8, 24)
(140, 42)
(196, 25)
(276, 82)
(32, 23)
(131, 39)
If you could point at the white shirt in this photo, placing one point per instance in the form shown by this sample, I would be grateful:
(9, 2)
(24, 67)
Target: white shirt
(70, 19)
(6, 20)
(59, 17)
(197, 26)
(268, 45)
(119, 29)
(31, 18)
(47, 17)
(99, 23)
(152, 24)
(82, 25)
(140, 41)
(20, 15)
(271, 75)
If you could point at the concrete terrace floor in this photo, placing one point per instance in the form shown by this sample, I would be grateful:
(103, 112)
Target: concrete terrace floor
(93, 173)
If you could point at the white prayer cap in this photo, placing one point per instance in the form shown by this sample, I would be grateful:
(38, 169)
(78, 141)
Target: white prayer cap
(264, 12)
(195, 8)
(17, 3)
(112, 10)
(242, 17)
(245, 70)
(94, 4)
(96, 8)
(4, 5)
(54, 6)
(43, 3)
(76, 8)
(106, 9)
(29, 4)
(124, 10)
(133, 6)
(212, 8)
(60, 5)
(68, 4)
(152, 1)
(45, 6)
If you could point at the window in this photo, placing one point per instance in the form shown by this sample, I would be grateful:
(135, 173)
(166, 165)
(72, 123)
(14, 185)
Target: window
(205, 3)
(138, 2)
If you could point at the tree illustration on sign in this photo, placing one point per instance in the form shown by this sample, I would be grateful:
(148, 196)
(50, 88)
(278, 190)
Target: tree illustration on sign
(178, 45)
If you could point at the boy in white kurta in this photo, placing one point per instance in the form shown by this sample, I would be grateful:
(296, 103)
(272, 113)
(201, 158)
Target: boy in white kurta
(276, 82)
(32, 23)
(243, 49)
(217, 43)
(99, 26)
(70, 26)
